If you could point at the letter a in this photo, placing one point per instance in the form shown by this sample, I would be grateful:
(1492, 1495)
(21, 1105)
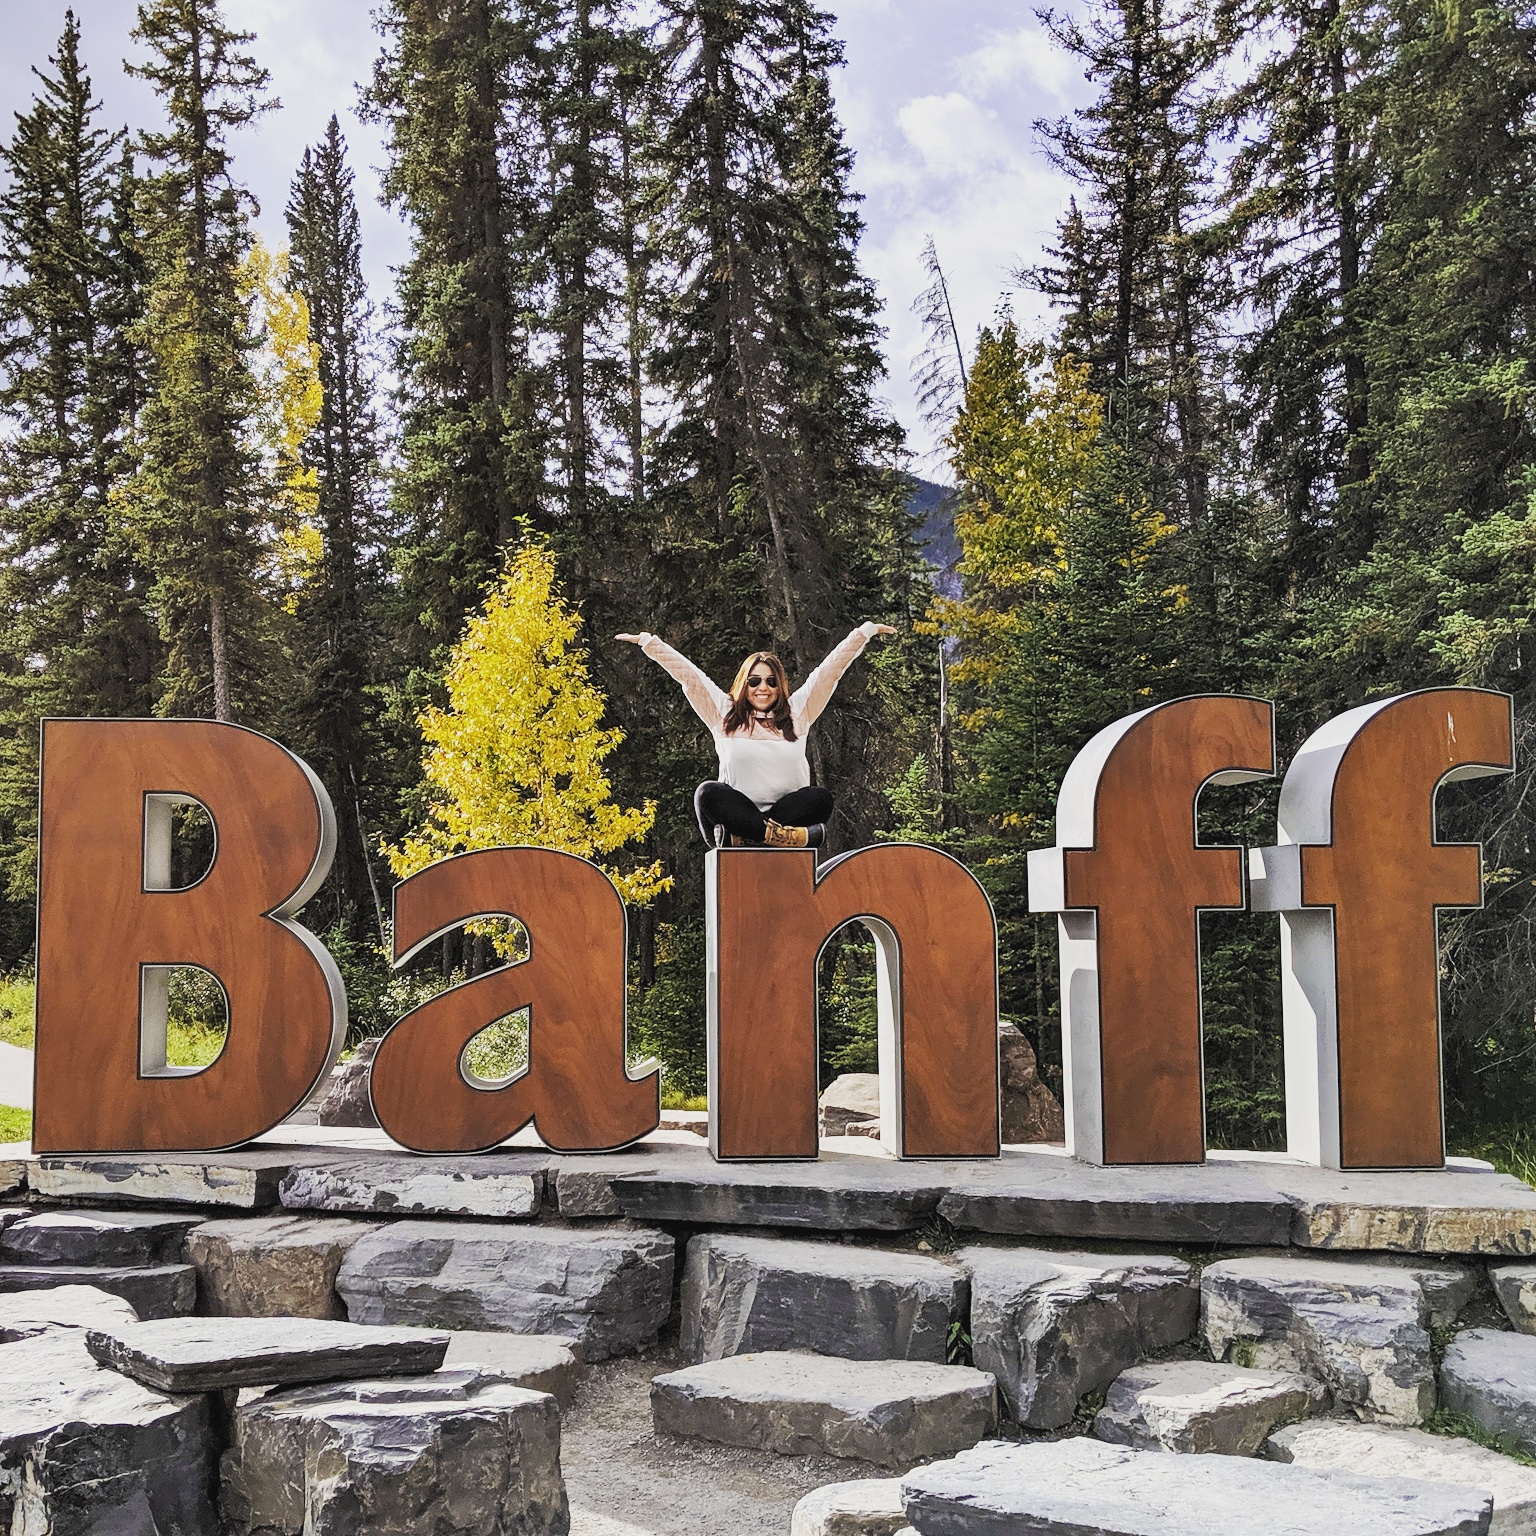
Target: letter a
(769, 913)
(109, 927)
(1129, 880)
(1359, 879)
(576, 1089)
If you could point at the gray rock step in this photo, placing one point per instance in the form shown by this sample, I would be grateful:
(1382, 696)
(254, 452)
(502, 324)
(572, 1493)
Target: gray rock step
(245, 1181)
(158, 1290)
(456, 1451)
(1201, 1406)
(539, 1361)
(1360, 1326)
(27, 1314)
(607, 1289)
(1377, 1450)
(96, 1237)
(743, 1295)
(1515, 1286)
(272, 1266)
(892, 1412)
(215, 1354)
(870, 1507)
(504, 1185)
(1082, 1487)
(1491, 1376)
(95, 1451)
(1053, 1326)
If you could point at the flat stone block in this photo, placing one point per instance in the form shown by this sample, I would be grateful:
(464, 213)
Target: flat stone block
(1045, 1194)
(13, 1172)
(871, 1507)
(1435, 1211)
(1374, 1450)
(1053, 1326)
(539, 1361)
(853, 1096)
(1515, 1286)
(744, 1295)
(1491, 1377)
(272, 1266)
(456, 1451)
(608, 1289)
(1083, 1487)
(160, 1290)
(245, 1180)
(893, 1412)
(584, 1186)
(497, 1184)
(26, 1314)
(1360, 1326)
(215, 1354)
(96, 1237)
(1201, 1406)
(88, 1452)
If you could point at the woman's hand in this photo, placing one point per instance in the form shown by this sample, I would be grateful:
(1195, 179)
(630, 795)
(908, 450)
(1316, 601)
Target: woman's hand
(885, 629)
(633, 639)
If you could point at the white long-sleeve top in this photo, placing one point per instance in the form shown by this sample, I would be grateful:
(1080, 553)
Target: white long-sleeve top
(757, 760)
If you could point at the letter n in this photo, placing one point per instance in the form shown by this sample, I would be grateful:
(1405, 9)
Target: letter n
(576, 1089)
(109, 926)
(1130, 879)
(1360, 879)
(769, 915)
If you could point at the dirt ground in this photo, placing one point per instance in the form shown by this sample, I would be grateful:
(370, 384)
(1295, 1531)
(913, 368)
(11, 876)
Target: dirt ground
(625, 1480)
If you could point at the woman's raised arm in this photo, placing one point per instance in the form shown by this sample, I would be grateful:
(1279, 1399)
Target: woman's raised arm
(709, 702)
(811, 697)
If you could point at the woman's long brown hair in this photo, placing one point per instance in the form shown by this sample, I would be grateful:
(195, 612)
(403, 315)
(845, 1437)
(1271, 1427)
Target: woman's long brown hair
(739, 715)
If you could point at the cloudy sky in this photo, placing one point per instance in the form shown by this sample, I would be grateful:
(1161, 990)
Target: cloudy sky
(939, 101)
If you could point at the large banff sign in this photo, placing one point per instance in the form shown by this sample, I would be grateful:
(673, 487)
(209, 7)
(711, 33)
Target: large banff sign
(1358, 878)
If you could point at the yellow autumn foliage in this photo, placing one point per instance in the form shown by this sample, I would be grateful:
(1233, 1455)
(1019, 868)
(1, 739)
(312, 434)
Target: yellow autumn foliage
(516, 757)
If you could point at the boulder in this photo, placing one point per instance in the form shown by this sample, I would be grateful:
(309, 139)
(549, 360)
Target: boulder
(892, 1412)
(1031, 1112)
(1377, 1450)
(1082, 1487)
(539, 1361)
(1515, 1286)
(111, 1238)
(608, 1289)
(88, 1452)
(871, 1507)
(218, 1354)
(1198, 1405)
(1360, 1326)
(501, 1184)
(1491, 1377)
(743, 1295)
(26, 1314)
(853, 1096)
(272, 1266)
(346, 1101)
(1052, 1326)
(461, 1450)
(161, 1290)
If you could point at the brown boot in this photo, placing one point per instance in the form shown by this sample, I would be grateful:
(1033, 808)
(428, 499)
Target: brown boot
(775, 836)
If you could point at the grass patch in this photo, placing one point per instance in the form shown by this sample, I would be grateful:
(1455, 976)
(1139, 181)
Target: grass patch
(675, 1098)
(15, 1124)
(189, 1042)
(1447, 1421)
(17, 998)
(192, 1043)
(1510, 1151)
(500, 1050)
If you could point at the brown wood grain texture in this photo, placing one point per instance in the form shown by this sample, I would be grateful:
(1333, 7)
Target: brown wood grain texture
(1147, 877)
(576, 1090)
(773, 918)
(97, 927)
(1384, 875)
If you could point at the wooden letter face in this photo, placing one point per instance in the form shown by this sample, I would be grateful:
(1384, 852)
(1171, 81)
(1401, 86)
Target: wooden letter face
(1130, 880)
(108, 926)
(577, 1089)
(769, 914)
(1360, 879)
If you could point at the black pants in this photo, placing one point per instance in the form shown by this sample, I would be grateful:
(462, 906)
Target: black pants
(718, 805)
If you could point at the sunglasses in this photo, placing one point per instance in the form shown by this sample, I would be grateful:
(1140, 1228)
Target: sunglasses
(761, 682)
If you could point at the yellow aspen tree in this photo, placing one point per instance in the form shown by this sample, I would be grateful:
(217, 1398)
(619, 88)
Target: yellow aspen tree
(516, 757)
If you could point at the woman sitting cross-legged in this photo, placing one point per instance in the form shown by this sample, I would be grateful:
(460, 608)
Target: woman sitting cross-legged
(764, 794)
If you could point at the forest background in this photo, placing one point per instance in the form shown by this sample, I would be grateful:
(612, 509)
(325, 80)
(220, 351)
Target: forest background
(1277, 439)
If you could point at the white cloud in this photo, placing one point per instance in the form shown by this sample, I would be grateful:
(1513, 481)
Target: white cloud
(953, 134)
(1025, 56)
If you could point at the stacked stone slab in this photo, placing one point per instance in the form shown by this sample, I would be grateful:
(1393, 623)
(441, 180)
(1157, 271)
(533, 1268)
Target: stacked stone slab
(1491, 1377)
(458, 1450)
(540, 1362)
(1361, 1327)
(870, 1507)
(272, 1266)
(742, 1295)
(607, 1289)
(1515, 1286)
(60, 1308)
(502, 1185)
(1054, 1326)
